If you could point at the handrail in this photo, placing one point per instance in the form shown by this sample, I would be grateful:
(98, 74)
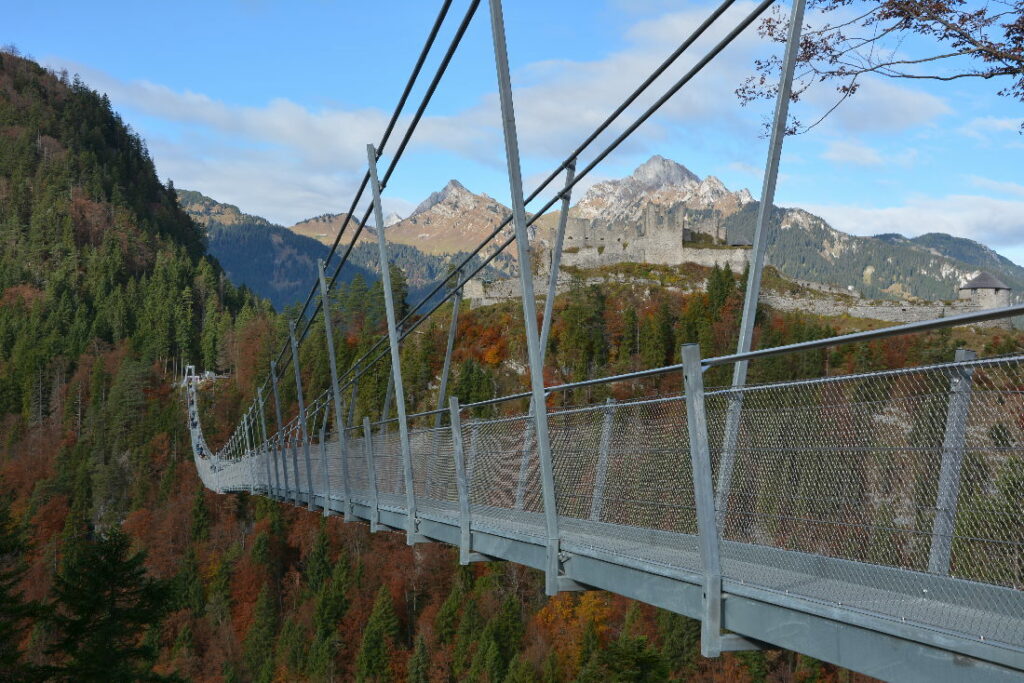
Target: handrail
(867, 335)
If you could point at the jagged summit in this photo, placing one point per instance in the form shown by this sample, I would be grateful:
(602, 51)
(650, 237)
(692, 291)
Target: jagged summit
(658, 172)
(450, 220)
(660, 182)
(450, 193)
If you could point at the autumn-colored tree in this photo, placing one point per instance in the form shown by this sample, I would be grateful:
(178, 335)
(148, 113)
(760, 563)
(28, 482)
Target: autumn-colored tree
(851, 39)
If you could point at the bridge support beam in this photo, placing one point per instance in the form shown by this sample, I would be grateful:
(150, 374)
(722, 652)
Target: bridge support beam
(339, 423)
(249, 453)
(325, 470)
(948, 494)
(545, 327)
(446, 368)
(282, 493)
(303, 430)
(712, 642)
(534, 351)
(466, 554)
(764, 212)
(371, 475)
(604, 450)
(412, 520)
(265, 442)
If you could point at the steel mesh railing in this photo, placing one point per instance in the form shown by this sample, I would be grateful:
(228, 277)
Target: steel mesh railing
(504, 484)
(838, 488)
(433, 470)
(623, 470)
(850, 468)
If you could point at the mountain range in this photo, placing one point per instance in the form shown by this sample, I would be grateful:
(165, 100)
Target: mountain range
(660, 193)
(279, 263)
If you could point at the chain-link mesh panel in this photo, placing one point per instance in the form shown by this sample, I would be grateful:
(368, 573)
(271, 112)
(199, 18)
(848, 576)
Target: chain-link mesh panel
(358, 477)
(625, 469)
(504, 481)
(852, 468)
(387, 462)
(433, 469)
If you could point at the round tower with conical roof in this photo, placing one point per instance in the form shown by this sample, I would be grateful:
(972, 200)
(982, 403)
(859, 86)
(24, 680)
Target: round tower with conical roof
(986, 291)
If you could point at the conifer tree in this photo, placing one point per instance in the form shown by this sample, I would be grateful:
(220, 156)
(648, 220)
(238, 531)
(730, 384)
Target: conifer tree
(373, 661)
(200, 516)
(105, 604)
(259, 642)
(419, 663)
(14, 609)
(318, 564)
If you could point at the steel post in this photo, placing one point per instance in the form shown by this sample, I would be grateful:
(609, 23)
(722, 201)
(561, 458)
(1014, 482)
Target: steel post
(466, 554)
(604, 448)
(764, 212)
(948, 494)
(412, 522)
(534, 351)
(281, 436)
(249, 454)
(325, 488)
(339, 423)
(371, 474)
(704, 500)
(442, 390)
(556, 256)
(265, 443)
(302, 418)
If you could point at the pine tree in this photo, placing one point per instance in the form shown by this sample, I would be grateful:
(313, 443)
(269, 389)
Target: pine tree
(520, 671)
(260, 640)
(200, 516)
(105, 604)
(189, 584)
(373, 661)
(680, 640)
(419, 663)
(14, 609)
(318, 564)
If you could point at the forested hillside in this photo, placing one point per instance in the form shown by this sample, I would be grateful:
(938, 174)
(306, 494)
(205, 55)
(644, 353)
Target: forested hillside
(117, 565)
(279, 265)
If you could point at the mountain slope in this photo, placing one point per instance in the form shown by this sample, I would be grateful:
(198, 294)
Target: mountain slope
(272, 261)
(449, 221)
(280, 265)
(324, 229)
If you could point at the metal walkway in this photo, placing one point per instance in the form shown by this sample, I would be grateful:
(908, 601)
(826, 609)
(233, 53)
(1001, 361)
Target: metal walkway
(873, 521)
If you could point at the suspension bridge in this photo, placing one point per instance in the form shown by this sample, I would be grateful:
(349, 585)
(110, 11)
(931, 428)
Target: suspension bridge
(869, 520)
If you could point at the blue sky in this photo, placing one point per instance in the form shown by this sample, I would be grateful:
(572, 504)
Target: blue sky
(269, 105)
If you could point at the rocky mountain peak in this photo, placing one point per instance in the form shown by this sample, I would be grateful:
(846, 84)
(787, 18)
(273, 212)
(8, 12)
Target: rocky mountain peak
(658, 172)
(451, 193)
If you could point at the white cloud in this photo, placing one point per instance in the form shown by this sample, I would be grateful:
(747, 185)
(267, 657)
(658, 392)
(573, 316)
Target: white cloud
(878, 106)
(998, 223)
(852, 153)
(983, 127)
(999, 186)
